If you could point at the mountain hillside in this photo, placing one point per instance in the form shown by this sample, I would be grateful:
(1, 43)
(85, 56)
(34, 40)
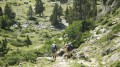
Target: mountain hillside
(28, 28)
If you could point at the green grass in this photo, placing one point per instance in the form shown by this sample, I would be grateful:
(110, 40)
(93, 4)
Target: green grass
(40, 63)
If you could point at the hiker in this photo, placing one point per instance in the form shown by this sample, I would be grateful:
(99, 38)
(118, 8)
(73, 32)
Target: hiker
(68, 49)
(54, 49)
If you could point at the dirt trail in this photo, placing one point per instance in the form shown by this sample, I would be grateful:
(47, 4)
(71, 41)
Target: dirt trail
(60, 61)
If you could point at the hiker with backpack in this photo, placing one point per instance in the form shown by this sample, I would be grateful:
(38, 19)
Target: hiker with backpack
(68, 49)
(54, 50)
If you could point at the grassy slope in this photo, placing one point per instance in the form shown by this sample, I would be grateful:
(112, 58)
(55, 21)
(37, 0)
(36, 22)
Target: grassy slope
(38, 36)
(21, 17)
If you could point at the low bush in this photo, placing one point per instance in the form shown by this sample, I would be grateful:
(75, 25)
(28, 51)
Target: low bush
(32, 30)
(13, 58)
(47, 35)
(78, 31)
(30, 56)
(46, 47)
(18, 43)
(74, 30)
(38, 53)
(19, 56)
(25, 31)
(22, 42)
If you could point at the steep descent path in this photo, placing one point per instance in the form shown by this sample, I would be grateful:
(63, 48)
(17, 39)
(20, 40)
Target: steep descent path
(60, 61)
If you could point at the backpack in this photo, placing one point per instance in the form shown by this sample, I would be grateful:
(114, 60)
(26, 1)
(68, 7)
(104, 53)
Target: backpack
(53, 48)
(70, 47)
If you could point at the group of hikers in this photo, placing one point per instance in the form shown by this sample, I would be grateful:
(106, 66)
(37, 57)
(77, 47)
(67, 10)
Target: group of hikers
(67, 49)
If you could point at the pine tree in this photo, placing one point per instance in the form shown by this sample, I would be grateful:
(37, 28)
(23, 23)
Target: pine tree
(4, 44)
(83, 10)
(28, 41)
(9, 12)
(39, 8)
(4, 23)
(9, 17)
(30, 12)
(94, 9)
(19, 26)
(66, 13)
(60, 11)
(69, 16)
(4, 48)
(55, 16)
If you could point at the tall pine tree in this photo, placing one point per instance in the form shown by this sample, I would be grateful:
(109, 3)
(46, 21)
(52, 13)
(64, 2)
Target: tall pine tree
(83, 10)
(9, 17)
(57, 12)
(66, 13)
(28, 41)
(60, 11)
(30, 12)
(39, 8)
(6, 22)
(3, 47)
(69, 15)
(9, 12)
(54, 17)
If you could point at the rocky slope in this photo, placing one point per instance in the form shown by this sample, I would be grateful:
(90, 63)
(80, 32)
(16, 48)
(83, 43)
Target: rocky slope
(103, 47)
